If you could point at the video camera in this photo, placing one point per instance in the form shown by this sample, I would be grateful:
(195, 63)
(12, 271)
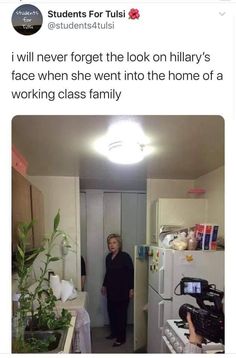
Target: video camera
(208, 320)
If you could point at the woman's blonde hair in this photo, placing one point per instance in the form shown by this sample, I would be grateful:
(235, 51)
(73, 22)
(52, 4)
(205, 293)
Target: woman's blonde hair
(117, 238)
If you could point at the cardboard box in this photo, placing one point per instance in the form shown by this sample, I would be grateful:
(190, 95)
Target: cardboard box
(206, 235)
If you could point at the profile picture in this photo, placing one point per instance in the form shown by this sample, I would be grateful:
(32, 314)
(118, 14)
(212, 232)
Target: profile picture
(27, 19)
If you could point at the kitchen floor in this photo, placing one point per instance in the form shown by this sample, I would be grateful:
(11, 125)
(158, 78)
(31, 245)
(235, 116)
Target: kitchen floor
(102, 345)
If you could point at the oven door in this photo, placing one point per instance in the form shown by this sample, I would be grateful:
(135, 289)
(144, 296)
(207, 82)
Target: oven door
(166, 347)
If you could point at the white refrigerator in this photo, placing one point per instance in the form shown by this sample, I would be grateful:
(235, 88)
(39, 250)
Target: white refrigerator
(166, 268)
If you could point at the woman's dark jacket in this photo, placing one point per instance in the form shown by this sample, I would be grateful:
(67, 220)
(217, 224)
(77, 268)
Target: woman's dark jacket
(119, 277)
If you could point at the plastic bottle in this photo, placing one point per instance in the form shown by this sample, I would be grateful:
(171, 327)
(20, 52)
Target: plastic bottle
(192, 241)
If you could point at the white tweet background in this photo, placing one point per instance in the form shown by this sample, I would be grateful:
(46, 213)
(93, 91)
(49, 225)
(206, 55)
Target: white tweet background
(160, 29)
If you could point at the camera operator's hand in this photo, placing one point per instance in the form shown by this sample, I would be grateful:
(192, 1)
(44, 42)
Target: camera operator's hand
(194, 338)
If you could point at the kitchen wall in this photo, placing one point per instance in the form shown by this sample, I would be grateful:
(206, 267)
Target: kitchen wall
(61, 193)
(213, 183)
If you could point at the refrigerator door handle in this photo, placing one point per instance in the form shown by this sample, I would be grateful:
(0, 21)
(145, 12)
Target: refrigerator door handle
(161, 281)
(160, 317)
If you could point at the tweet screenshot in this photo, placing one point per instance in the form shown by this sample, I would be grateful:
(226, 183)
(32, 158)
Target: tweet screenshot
(118, 177)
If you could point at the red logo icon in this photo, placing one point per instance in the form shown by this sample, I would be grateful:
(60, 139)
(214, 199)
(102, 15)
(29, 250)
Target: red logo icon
(134, 14)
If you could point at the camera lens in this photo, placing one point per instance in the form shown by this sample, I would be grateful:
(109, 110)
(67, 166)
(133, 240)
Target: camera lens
(184, 309)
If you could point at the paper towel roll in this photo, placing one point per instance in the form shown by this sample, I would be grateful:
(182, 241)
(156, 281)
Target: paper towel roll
(55, 285)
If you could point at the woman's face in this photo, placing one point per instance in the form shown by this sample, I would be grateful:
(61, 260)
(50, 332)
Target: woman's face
(113, 245)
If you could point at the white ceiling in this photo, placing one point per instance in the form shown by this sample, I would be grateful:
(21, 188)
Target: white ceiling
(186, 147)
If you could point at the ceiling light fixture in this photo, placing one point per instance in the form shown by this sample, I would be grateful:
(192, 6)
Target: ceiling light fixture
(124, 143)
(121, 152)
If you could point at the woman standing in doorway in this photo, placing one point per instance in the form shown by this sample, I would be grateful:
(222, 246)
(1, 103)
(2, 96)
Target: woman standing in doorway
(118, 287)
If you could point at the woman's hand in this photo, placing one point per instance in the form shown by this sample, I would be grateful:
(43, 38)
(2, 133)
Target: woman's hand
(131, 293)
(103, 291)
(193, 336)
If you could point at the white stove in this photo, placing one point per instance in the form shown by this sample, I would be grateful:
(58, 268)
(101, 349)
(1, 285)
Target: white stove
(174, 339)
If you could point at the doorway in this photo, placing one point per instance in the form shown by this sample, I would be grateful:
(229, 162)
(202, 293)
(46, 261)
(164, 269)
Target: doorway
(102, 213)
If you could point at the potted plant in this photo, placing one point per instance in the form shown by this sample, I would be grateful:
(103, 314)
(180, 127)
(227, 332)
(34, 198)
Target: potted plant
(36, 310)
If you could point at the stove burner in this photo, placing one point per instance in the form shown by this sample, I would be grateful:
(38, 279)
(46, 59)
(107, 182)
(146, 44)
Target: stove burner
(181, 324)
(184, 325)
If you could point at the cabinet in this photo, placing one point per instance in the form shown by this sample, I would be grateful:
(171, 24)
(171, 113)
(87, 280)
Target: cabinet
(37, 211)
(27, 204)
(177, 212)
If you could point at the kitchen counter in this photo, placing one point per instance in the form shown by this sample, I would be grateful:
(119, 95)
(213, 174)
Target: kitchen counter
(69, 337)
(74, 305)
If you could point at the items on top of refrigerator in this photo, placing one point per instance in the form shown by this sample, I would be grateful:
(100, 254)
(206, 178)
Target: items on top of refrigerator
(170, 228)
(206, 235)
(167, 241)
(200, 237)
(221, 242)
(168, 233)
(173, 237)
(192, 240)
(180, 243)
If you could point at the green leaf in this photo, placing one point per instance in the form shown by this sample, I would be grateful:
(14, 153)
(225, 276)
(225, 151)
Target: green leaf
(54, 259)
(34, 255)
(24, 228)
(30, 225)
(22, 237)
(56, 220)
(20, 251)
(42, 291)
(40, 249)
